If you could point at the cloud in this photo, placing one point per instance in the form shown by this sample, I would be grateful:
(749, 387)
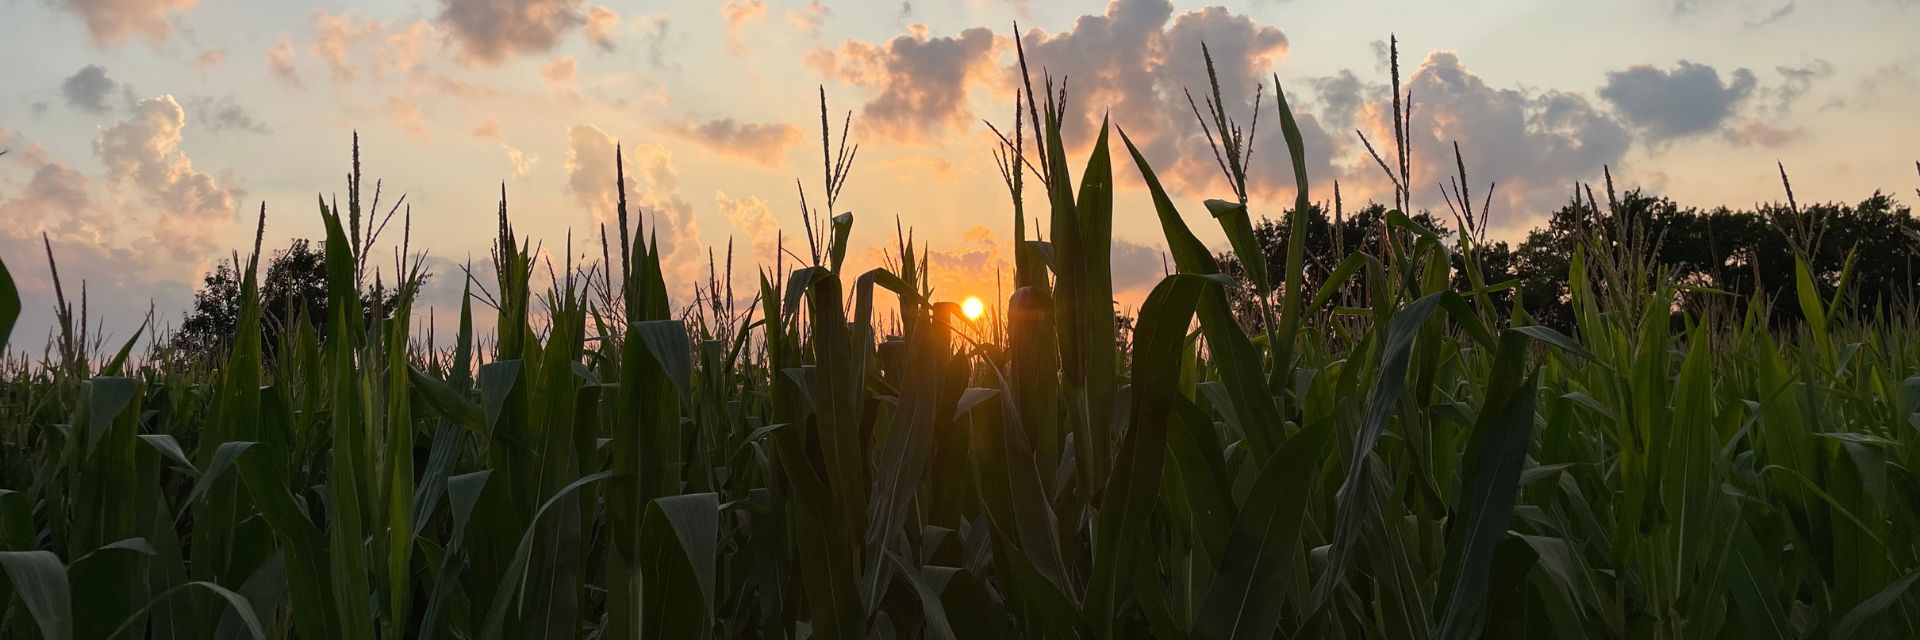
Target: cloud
(210, 59)
(403, 111)
(1340, 96)
(749, 216)
(280, 62)
(522, 161)
(1795, 82)
(1758, 133)
(1667, 105)
(224, 114)
(489, 32)
(1136, 266)
(653, 198)
(337, 37)
(1778, 14)
(764, 143)
(807, 19)
(602, 23)
(655, 32)
(385, 50)
(1136, 62)
(119, 284)
(559, 72)
(921, 81)
(739, 14)
(489, 128)
(142, 153)
(58, 197)
(1534, 144)
(970, 264)
(110, 22)
(88, 89)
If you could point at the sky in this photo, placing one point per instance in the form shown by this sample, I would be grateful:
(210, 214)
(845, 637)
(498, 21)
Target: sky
(144, 136)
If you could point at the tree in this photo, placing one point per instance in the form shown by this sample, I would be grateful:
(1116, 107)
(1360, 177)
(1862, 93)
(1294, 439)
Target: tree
(1725, 256)
(295, 286)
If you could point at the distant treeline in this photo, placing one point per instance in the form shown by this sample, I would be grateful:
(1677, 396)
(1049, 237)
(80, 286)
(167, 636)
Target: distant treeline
(1725, 254)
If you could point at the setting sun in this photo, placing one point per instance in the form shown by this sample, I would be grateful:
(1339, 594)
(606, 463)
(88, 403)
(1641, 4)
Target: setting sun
(973, 307)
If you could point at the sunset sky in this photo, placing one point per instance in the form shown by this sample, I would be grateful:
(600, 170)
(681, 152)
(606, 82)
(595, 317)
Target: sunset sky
(143, 135)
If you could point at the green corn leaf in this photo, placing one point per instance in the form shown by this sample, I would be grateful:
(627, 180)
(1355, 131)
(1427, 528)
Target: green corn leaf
(40, 581)
(1133, 489)
(678, 541)
(1246, 597)
(1490, 480)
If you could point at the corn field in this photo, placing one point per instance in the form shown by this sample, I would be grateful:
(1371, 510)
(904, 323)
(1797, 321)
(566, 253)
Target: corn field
(1387, 455)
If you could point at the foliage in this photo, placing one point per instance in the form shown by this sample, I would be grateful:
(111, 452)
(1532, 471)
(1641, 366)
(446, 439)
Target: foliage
(1392, 453)
(294, 290)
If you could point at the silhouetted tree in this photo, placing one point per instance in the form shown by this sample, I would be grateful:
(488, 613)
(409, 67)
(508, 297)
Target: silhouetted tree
(1724, 256)
(294, 286)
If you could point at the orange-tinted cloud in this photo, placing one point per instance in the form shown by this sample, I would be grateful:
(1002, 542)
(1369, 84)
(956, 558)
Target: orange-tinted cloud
(921, 80)
(807, 19)
(752, 221)
(280, 62)
(559, 72)
(110, 22)
(763, 143)
(521, 161)
(379, 48)
(602, 24)
(652, 193)
(739, 14)
(209, 59)
(142, 153)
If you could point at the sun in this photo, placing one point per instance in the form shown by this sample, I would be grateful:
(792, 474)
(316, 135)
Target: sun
(973, 308)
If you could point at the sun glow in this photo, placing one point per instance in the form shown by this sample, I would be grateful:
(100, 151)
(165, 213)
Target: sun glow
(973, 308)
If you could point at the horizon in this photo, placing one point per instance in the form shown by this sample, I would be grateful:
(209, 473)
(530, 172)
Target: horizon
(143, 140)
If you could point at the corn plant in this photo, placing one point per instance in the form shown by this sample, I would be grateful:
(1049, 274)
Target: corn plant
(1389, 454)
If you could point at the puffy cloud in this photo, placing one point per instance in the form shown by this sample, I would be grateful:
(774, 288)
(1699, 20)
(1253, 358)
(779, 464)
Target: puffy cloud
(739, 14)
(120, 284)
(142, 152)
(1137, 61)
(489, 32)
(921, 81)
(111, 21)
(652, 195)
(1340, 96)
(224, 114)
(1533, 144)
(807, 19)
(337, 37)
(602, 23)
(749, 216)
(764, 143)
(280, 62)
(60, 198)
(387, 50)
(1666, 105)
(88, 89)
